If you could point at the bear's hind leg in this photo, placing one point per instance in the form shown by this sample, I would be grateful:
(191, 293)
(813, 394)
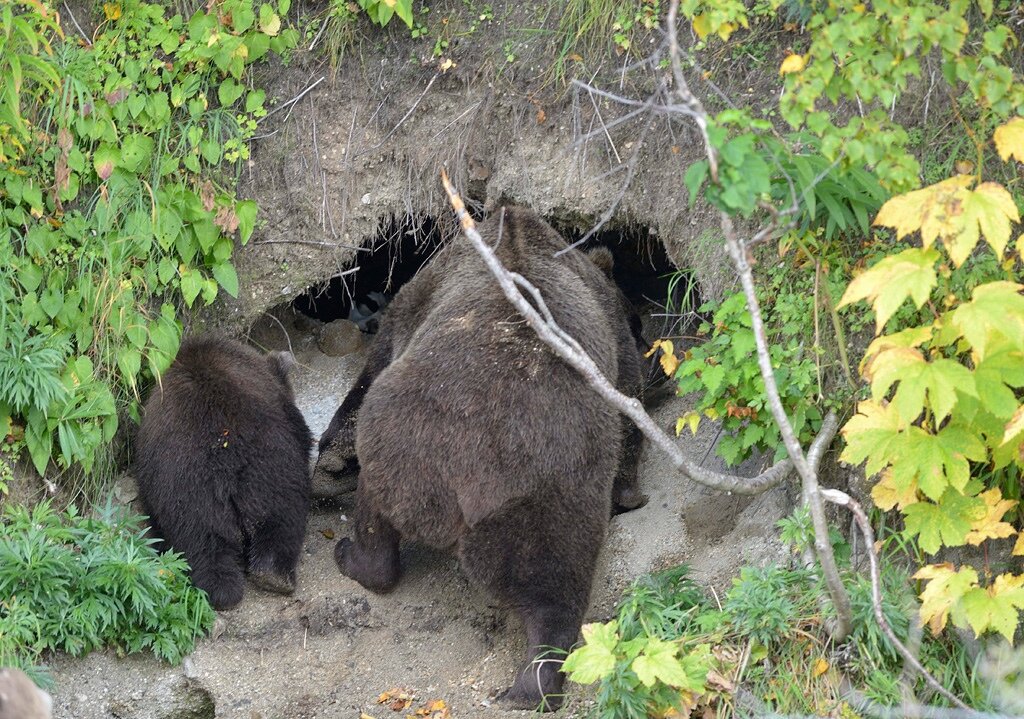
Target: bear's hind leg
(372, 558)
(273, 554)
(550, 633)
(538, 557)
(217, 570)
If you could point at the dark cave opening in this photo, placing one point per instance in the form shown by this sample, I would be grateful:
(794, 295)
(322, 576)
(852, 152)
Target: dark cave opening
(401, 248)
(666, 297)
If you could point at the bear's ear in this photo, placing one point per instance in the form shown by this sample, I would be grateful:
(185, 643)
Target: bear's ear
(602, 257)
(281, 363)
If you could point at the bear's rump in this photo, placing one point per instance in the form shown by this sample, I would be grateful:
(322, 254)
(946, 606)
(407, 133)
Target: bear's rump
(439, 457)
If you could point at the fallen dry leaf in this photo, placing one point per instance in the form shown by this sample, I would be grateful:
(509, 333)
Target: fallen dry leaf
(328, 533)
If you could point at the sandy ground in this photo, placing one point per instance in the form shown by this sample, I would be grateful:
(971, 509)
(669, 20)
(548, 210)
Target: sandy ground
(333, 647)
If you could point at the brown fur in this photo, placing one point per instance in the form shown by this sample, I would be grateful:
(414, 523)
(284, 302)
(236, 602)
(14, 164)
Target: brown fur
(222, 462)
(472, 435)
(20, 698)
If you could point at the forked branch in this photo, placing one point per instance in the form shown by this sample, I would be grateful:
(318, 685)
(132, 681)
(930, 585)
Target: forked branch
(569, 350)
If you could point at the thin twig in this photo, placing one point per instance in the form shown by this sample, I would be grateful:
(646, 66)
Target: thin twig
(314, 243)
(842, 499)
(292, 101)
(404, 117)
(74, 21)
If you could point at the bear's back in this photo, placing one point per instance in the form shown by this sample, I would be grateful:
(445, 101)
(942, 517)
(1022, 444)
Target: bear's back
(475, 410)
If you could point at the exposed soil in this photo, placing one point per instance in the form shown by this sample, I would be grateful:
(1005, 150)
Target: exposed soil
(333, 647)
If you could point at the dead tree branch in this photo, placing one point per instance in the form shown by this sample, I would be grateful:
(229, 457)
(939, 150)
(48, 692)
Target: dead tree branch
(569, 350)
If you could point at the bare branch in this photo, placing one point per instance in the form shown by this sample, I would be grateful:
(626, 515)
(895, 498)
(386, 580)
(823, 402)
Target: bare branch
(569, 350)
(836, 496)
(291, 102)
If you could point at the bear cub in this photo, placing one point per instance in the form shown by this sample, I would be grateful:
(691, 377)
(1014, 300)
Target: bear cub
(470, 434)
(222, 464)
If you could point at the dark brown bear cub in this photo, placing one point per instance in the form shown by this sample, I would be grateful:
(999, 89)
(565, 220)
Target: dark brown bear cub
(222, 463)
(472, 435)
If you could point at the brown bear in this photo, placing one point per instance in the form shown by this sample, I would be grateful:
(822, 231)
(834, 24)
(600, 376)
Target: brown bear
(472, 434)
(222, 463)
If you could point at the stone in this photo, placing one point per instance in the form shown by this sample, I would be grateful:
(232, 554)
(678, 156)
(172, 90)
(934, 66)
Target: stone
(339, 338)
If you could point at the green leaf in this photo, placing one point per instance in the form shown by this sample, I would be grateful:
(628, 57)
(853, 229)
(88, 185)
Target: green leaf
(136, 104)
(596, 658)
(403, 8)
(270, 22)
(39, 440)
(136, 151)
(246, 213)
(658, 662)
(129, 361)
(52, 300)
(996, 311)
(229, 91)
(712, 376)
(993, 608)
(694, 178)
(191, 285)
(946, 523)
(224, 273)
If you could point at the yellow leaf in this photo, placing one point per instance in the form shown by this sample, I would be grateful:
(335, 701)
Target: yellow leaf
(691, 420)
(989, 209)
(1020, 247)
(447, 65)
(654, 348)
(726, 29)
(887, 495)
(932, 210)
(669, 362)
(944, 590)
(1018, 548)
(990, 526)
(112, 11)
(820, 667)
(792, 63)
(1009, 139)
(701, 26)
(913, 337)
(711, 413)
(1014, 427)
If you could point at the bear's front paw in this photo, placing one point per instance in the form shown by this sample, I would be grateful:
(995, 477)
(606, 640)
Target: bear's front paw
(273, 581)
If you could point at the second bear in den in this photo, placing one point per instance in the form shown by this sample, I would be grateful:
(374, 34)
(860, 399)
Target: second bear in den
(222, 463)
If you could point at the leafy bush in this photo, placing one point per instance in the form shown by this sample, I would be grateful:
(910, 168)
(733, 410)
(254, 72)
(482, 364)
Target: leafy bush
(74, 584)
(115, 205)
(769, 636)
(944, 425)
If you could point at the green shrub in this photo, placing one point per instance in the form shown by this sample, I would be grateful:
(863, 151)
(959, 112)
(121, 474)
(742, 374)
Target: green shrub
(73, 583)
(115, 206)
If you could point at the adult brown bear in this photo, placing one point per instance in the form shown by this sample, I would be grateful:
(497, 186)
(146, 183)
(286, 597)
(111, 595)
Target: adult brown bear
(470, 433)
(222, 463)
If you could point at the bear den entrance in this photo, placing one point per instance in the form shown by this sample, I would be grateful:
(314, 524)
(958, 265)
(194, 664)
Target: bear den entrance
(666, 297)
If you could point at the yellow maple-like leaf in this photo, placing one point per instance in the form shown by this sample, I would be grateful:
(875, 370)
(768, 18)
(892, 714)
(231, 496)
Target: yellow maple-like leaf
(1009, 139)
(112, 11)
(668, 360)
(792, 63)
(988, 210)
(654, 348)
(944, 589)
(933, 210)
(991, 525)
(725, 30)
(701, 26)
(1020, 246)
(820, 667)
(691, 420)
(1018, 548)
(887, 495)
(912, 337)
